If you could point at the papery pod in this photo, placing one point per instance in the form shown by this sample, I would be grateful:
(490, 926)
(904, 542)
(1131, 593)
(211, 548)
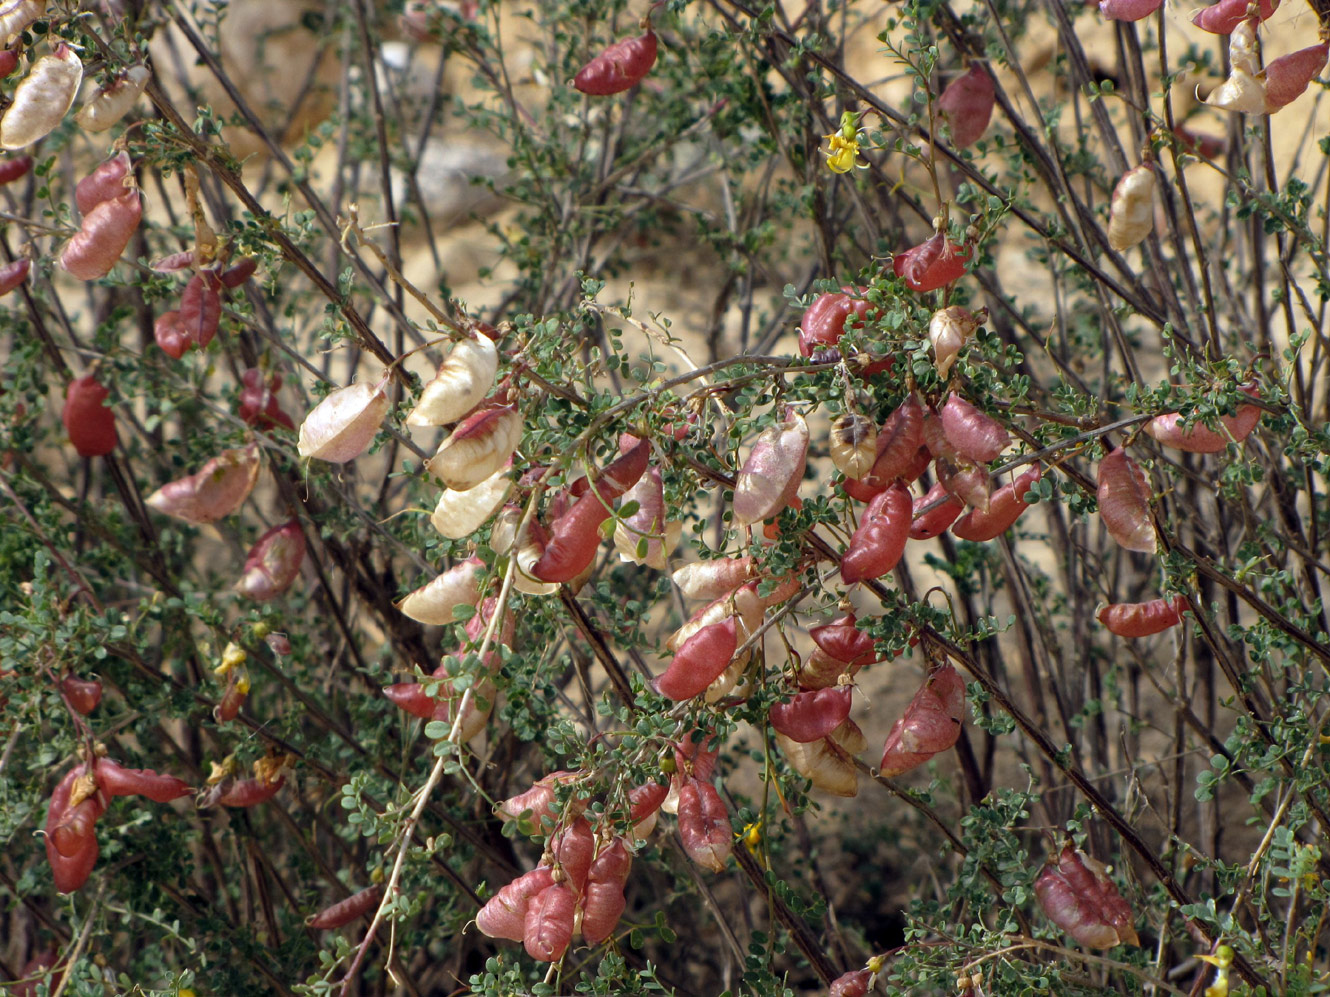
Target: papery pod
(1124, 502)
(458, 514)
(604, 902)
(646, 537)
(435, 601)
(480, 445)
(704, 824)
(1287, 78)
(82, 694)
(968, 482)
(87, 420)
(273, 563)
(109, 104)
(243, 792)
(345, 911)
(826, 763)
(1241, 93)
(1128, 10)
(105, 183)
(743, 602)
(463, 380)
(877, 545)
(1167, 429)
(697, 758)
(855, 984)
(1131, 209)
(573, 848)
(713, 579)
(17, 15)
(931, 723)
(843, 640)
(769, 478)
(699, 661)
(96, 247)
(813, 715)
(934, 512)
(504, 915)
(550, 917)
(537, 803)
(201, 307)
(949, 330)
(342, 426)
(932, 264)
(170, 335)
(214, 492)
(14, 168)
(114, 779)
(412, 697)
(258, 401)
(239, 273)
(971, 433)
(898, 443)
(849, 738)
(821, 671)
(853, 444)
(233, 697)
(42, 99)
(620, 67)
(1077, 895)
(967, 103)
(13, 274)
(1224, 17)
(73, 830)
(70, 871)
(644, 803)
(1142, 619)
(527, 550)
(1005, 506)
(473, 715)
(824, 323)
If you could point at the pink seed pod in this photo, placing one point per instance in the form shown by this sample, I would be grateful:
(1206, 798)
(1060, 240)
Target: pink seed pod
(879, 542)
(897, 444)
(1223, 17)
(1124, 502)
(811, 716)
(820, 670)
(115, 780)
(479, 445)
(342, 426)
(1131, 209)
(105, 183)
(258, 405)
(697, 758)
(573, 849)
(537, 803)
(171, 335)
(240, 273)
(345, 911)
(699, 661)
(934, 263)
(601, 910)
(504, 915)
(967, 103)
(97, 246)
(967, 482)
(855, 984)
(14, 168)
(931, 723)
(463, 380)
(1142, 619)
(458, 514)
(769, 478)
(1200, 143)
(949, 330)
(1077, 895)
(42, 99)
(853, 444)
(713, 579)
(411, 697)
(201, 307)
(934, 512)
(17, 15)
(212, 493)
(1287, 78)
(82, 694)
(273, 563)
(234, 696)
(620, 67)
(1128, 10)
(1167, 429)
(73, 830)
(824, 322)
(646, 537)
(704, 824)
(434, 602)
(171, 263)
(644, 801)
(1005, 506)
(248, 792)
(843, 640)
(971, 433)
(89, 423)
(13, 274)
(548, 929)
(109, 104)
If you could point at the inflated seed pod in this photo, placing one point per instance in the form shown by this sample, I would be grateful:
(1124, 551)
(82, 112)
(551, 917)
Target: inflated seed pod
(620, 67)
(42, 99)
(112, 102)
(106, 231)
(1131, 211)
(17, 15)
(105, 182)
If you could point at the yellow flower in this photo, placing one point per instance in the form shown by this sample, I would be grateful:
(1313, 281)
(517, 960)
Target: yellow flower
(751, 836)
(843, 145)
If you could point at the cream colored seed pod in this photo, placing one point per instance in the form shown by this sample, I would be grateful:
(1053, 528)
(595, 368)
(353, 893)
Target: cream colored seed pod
(42, 99)
(1131, 212)
(16, 15)
(462, 382)
(109, 104)
(458, 514)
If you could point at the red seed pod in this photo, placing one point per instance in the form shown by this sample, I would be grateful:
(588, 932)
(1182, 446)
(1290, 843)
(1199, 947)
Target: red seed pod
(968, 103)
(824, 322)
(811, 716)
(504, 915)
(1006, 505)
(273, 563)
(879, 542)
(769, 479)
(249, 792)
(345, 911)
(644, 801)
(699, 661)
(258, 401)
(647, 536)
(106, 231)
(1142, 619)
(115, 780)
(933, 263)
(8, 61)
(82, 694)
(1124, 502)
(1167, 429)
(697, 758)
(537, 803)
(13, 274)
(1200, 143)
(214, 492)
(550, 917)
(70, 871)
(171, 335)
(89, 423)
(1128, 10)
(14, 167)
(38, 969)
(173, 262)
(1223, 17)
(972, 434)
(573, 849)
(704, 824)
(842, 640)
(1287, 78)
(931, 723)
(411, 697)
(861, 491)
(105, 183)
(240, 272)
(934, 512)
(603, 906)
(620, 67)
(1077, 895)
(233, 698)
(898, 443)
(73, 830)
(855, 984)
(201, 307)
